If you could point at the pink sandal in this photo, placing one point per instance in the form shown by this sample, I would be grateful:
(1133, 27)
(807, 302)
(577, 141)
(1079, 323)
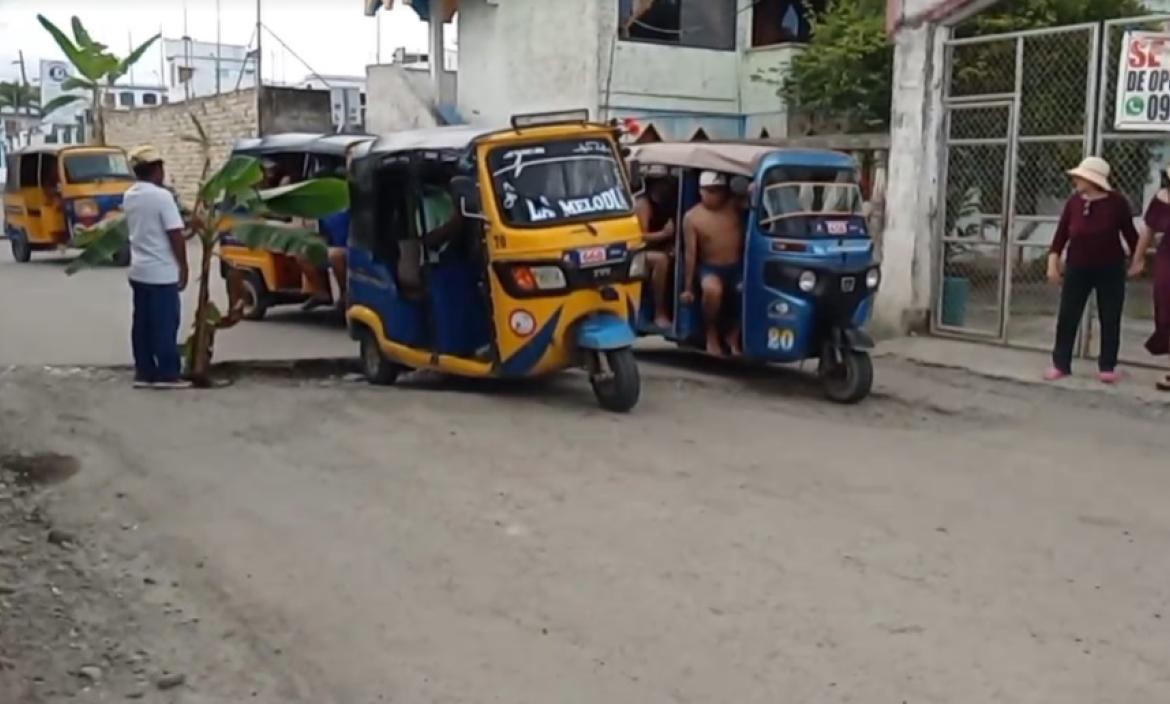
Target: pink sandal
(1110, 377)
(1054, 374)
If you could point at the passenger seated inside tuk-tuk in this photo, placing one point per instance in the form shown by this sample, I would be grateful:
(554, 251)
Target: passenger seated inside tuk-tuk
(274, 176)
(655, 209)
(713, 231)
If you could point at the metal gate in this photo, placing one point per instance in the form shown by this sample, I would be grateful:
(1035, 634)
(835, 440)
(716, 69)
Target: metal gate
(1020, 110)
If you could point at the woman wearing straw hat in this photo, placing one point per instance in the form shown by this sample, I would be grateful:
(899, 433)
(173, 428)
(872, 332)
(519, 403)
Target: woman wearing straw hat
(1094, 221)
(1157, 220)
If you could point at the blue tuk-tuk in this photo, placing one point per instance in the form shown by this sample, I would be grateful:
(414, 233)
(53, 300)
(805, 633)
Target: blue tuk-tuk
(809, 275)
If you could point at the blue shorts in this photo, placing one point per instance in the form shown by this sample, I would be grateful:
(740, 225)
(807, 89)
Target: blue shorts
(729, 274)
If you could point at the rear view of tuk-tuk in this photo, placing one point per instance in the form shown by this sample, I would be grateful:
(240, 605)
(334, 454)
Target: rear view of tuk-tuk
(812, 250)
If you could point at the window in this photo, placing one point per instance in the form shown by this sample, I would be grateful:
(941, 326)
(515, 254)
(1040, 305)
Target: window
(149, 99)
(126, 99)
(96, 168)
(166, 99)
(560, 181)
(28, 170)
(13, 183)
(705, 24)
(783, 21)
(110, 100)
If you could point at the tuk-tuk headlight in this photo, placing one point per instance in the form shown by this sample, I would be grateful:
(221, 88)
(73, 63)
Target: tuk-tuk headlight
(638, 265)
(807, 281)
(86, 208)
(873, 277)
(538, 278)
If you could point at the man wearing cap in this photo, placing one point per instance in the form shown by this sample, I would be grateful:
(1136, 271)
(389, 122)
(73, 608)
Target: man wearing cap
(158, 271)
(713, 234)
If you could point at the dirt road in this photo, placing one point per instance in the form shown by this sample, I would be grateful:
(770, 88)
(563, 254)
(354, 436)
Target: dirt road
(954, 540)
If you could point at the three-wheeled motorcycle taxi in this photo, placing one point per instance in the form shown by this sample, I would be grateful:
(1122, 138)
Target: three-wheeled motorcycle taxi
(497, 253)
(274, 278)
(52, 190)
(809, 274)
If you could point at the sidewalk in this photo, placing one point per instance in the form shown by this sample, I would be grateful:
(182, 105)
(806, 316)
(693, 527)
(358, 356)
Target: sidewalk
(1024, 366)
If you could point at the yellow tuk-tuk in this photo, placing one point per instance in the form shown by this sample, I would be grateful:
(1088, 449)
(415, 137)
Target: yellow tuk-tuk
(273, 278)
(497, 253)
(54, 189)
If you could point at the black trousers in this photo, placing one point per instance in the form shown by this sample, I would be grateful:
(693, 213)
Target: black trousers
(1109, 284)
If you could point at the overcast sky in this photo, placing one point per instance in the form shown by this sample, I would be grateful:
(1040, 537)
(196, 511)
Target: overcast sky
(333, 36)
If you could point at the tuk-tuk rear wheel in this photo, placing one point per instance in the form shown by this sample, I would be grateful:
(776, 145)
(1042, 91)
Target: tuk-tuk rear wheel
(255, 296)
(378, 370)
(850, 380)
(21, 251)
(618, 388)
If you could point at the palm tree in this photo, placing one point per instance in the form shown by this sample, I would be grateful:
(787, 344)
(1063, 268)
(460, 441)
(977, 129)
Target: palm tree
(98, 69)
(20, 97)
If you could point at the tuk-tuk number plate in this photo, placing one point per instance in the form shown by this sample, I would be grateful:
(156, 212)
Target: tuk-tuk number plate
(837, 227)
(592, 256)
(848, 283)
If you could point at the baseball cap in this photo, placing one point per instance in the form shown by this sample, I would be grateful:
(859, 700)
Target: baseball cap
(144, 154)
(711, 179)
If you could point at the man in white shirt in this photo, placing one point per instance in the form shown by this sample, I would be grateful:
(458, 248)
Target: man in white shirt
(158, 272)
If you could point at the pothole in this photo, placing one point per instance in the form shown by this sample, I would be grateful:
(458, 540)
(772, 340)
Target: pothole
(40, 467)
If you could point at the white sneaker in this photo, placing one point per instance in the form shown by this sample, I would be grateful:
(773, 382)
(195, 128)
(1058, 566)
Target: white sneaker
(177, 384)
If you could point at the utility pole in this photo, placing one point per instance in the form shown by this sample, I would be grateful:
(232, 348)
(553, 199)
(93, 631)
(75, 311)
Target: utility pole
(378, 39)
(259, 74)
(218, 30)
(24, 78)
(437, 51)
(130, 50)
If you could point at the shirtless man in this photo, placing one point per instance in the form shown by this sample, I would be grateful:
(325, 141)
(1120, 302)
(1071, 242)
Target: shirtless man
(655, 215)
(713, 234)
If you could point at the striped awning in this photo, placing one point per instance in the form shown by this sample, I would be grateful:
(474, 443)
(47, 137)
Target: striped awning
(448, 8)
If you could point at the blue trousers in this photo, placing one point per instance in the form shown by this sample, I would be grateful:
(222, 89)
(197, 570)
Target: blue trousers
(154, 332)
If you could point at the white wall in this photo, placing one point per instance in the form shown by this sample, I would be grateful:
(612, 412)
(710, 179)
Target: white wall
(527, 56)
(762, 73)
(391, 102)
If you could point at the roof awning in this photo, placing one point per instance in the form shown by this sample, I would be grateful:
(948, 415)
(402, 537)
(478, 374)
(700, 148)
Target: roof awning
(448, 8)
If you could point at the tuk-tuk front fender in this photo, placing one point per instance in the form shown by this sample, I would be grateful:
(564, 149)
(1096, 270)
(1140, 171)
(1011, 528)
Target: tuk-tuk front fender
(604, 331)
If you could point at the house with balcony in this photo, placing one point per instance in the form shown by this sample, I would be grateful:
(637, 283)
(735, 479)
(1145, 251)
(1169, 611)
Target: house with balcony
(685, 69)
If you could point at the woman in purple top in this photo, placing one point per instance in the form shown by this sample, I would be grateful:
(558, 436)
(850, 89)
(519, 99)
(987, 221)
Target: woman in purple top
(1157, 221)
(1095, 220)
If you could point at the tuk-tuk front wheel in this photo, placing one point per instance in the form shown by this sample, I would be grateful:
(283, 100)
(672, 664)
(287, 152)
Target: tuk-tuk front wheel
(848, 379)
(615, 379)
(375, 367)
(21, 251)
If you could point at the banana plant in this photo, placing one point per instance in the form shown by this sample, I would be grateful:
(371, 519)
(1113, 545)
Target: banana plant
(98, 70)
(229, 199)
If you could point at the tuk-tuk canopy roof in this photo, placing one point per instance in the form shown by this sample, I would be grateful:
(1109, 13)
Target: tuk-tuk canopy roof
(737, 158)
(332, 144)
(453, 137)
(58, 148)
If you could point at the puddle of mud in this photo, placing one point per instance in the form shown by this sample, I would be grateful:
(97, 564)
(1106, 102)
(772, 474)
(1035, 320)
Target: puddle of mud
(40, 468)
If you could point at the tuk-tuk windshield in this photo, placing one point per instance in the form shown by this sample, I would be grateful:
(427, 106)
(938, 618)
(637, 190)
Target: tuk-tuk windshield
(559, 181)
(795, 192)
(96, 167)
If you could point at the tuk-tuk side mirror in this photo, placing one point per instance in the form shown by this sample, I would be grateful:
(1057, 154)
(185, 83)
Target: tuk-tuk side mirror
(470, 203)
(740, 186)
(637, 181)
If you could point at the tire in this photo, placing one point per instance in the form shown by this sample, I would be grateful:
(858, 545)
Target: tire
(848, 382)
(122, 258)
(378, 370)
(21, 251)
(257, 294)
(620, 391)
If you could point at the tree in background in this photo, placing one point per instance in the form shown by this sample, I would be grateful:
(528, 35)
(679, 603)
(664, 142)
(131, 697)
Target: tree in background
(847, 69)
(20, 97)
(98, 69)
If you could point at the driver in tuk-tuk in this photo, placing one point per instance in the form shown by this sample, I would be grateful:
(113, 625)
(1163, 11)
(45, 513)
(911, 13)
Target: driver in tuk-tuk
(713, 231)
(655, 210)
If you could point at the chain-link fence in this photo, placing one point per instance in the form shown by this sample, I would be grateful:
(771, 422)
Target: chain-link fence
(1022, 109)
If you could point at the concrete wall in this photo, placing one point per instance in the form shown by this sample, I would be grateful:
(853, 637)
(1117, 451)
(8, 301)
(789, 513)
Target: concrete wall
(226, 118)
(392, 102)
(528, 56)
(762, 73)
(295, 110)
